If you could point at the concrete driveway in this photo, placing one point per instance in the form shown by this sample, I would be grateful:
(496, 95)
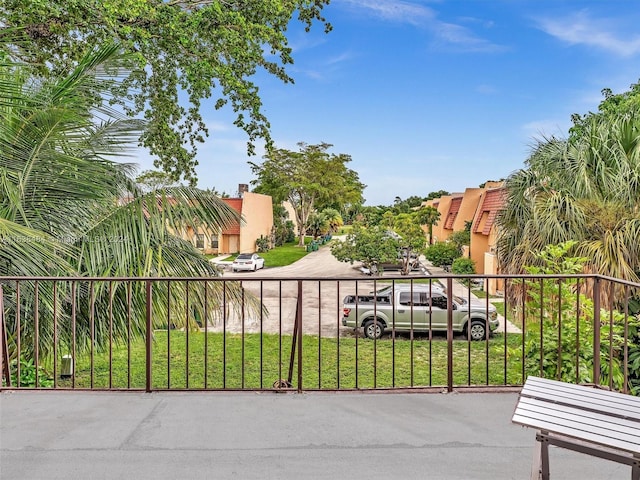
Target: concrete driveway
(321, 299)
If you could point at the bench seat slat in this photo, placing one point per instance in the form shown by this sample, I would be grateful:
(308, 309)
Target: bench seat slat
(542, 424)
(590, 422)
(586, 402)
(560, 388)
(612, 403)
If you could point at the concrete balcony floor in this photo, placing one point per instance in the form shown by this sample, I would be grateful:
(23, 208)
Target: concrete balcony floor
(193, 435)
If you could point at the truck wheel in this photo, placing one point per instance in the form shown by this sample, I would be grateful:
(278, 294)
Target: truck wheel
(478, 330)
(373, 329)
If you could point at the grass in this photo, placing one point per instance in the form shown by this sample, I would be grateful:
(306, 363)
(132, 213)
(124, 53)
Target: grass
(285, 255)
(253, 362)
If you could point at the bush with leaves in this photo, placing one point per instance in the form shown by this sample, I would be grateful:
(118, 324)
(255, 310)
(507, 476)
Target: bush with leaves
(559, 327)
(442, 253)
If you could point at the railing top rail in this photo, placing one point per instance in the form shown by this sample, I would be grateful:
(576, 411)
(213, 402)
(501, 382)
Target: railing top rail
(253, 278)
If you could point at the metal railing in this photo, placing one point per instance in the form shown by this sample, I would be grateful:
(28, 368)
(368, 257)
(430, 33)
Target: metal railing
(262, 333)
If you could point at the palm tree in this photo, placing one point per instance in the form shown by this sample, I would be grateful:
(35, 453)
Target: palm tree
(585, 189)
(428, 216)
(62, 214)
(334, 218)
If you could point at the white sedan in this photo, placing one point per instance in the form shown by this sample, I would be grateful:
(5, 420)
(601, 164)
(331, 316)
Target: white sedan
(247, 261)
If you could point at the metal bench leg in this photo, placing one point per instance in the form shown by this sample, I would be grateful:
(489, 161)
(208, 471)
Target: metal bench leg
(635, 470)
(540, 466)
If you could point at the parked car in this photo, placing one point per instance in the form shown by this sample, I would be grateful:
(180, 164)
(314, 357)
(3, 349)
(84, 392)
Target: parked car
(418, 308)
(247, 261)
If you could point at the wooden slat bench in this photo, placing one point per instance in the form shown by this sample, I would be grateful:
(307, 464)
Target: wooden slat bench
(580, 418)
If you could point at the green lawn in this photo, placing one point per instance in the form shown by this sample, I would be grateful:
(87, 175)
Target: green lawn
(253, 363)
(284, 255)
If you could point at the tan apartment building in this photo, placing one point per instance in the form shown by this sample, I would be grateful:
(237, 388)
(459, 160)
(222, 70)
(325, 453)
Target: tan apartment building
(256, 211)
(484, 234)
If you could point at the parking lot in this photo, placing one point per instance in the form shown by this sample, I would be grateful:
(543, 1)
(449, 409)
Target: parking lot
(322, 299)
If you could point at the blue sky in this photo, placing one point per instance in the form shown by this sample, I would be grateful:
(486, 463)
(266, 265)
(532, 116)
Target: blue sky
(431, 95)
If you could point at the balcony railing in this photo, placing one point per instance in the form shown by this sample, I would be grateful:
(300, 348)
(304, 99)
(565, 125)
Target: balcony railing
(258, 333)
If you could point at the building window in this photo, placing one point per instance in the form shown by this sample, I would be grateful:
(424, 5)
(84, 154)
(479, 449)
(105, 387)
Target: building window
(214, 242)
(200, 240)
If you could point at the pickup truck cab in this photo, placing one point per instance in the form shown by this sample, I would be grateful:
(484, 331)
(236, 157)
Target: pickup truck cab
(418, 308)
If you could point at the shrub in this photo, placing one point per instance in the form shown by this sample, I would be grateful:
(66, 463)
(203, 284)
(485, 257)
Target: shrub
(263, 244)
(463, 266)
(442, 253)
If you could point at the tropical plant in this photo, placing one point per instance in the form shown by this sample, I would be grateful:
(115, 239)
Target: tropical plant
(67, 208)
(559, 330)
(585, 189)
(442, 253)
(428, 216)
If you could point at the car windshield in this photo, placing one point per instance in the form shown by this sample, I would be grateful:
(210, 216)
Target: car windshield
(244, 256)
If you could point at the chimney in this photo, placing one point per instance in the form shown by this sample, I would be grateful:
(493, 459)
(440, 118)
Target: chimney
(242, 188)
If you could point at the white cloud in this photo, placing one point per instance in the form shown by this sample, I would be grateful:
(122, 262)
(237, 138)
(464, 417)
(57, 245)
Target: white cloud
(395, 10)
(581, 29)
(445, 33)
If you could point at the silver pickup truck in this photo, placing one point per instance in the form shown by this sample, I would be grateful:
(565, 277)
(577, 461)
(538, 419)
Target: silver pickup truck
(419, 308)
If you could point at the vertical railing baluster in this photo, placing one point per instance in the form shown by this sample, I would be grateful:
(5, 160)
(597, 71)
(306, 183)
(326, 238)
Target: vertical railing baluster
(506, 322)
(596, 330)
(411, 330)
(168, 334)
(559, 365)
(375, 329)
(299, 320)
(74, 306)
(524, 329)
(393, 333)
(625, 344)
(55, 331)
(186, 331)
(149, 335)
(242, 322)
(449, 335)
(541, 327)
(261, 334)
(129, 333)
(18, 334)
(319, 334)
(36, 326)
(224, 335)
(92, 333)
(340, 312)
(206, 334)
(577, 344)
(611, 291)
(110, 335)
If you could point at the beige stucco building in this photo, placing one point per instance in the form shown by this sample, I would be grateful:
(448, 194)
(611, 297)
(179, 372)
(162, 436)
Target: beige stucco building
(256, 211)
(480, 206)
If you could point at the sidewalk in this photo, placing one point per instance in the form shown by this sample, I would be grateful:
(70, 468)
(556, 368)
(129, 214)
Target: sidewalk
(207, 435)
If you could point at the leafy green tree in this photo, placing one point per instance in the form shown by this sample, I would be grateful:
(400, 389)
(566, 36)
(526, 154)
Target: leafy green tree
(179, 48)
(428, 216)
(151, 180)
(306, 178)
(412, 240)
(282, 227)
(370, 245)
(438, 194)
(586, 189)
(564, 327)
(612, 105)
(442, 253)
(67, 208)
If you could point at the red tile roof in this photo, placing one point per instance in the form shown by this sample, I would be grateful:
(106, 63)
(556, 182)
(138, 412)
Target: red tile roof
(494, 201)
(236, 204)
(454, 208)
